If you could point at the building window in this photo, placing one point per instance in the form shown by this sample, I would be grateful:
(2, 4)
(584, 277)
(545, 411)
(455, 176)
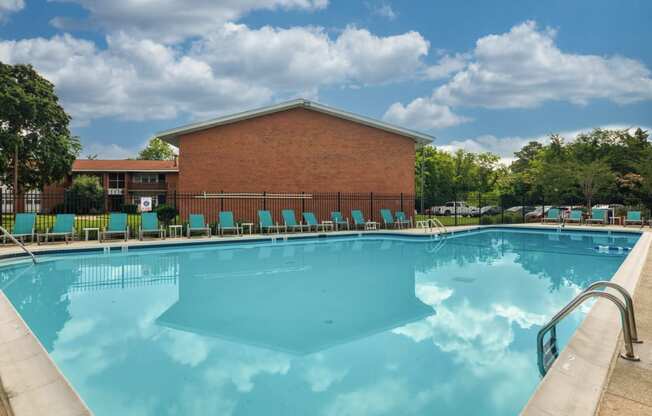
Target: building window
(156, 199)
(116, 180)
(146, 177)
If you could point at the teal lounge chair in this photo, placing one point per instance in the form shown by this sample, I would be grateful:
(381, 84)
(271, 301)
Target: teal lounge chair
(149, 225)
(575, 216)
(311, 222)
(634, 217)
(227, 223)
(402, 219)
(291, 222)
(598, 216)
(64, 226)
(196, 223)
(266, 223)
(388, 218)
(23, 227)
(552, 216)
(117, 226)
(338, 221)
(359, 221)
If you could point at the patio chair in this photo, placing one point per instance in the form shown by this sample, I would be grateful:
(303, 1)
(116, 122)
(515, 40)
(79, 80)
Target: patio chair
(552, 216)
(634, 217)
(149, 225)
(117, 226)
(575, 216)
(23, 227)
(196, 223)
(265, 222)
(64, 226)
(227, 223)
(291, 222)
(402, 219)
(339, 221)
(311, 222)
(388, 218)
(598, 216)
(359, 221)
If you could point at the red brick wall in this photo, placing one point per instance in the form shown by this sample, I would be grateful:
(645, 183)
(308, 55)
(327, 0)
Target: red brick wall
(293, 151)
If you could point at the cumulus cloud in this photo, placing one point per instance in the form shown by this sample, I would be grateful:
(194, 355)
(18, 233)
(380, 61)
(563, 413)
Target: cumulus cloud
(235, 67)
(524, 68)
(383, 10)
(8, 7)
(423, 114)
(172, 21)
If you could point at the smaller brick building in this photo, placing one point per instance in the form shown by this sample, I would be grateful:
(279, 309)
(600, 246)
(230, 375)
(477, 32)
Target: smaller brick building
(126, 181)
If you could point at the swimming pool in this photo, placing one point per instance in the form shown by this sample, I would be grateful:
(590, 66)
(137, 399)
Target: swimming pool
(371, 325)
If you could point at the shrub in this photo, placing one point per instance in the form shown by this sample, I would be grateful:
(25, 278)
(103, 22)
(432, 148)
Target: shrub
(166, 213)
(84, 196)
(487, 220)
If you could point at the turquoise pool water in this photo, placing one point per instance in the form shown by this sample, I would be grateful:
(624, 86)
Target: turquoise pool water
(336, 326)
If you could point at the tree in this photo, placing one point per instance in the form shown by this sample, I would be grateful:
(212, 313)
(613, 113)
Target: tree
(525, 156)
(593, 177)
(156, 149)
(36, 147)
(85, 195)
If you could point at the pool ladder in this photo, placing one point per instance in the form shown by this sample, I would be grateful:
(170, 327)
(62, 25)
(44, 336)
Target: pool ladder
(18, 243)
(548, 351)
(439, 225)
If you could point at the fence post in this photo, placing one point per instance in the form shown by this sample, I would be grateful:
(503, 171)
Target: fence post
(401, 201)
(479, 208)
(455, 205)
(264, 200)
(303, 203)
(523, 208)
(339, 209)
(221, 200)
(502, 209)
(371, 203)
(543, 207)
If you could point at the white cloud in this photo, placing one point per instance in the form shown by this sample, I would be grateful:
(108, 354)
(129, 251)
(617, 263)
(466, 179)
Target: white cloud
(524, 68)
(8, 7)
(233, 68)
(423, 114)
(383, 10)
(172, 21)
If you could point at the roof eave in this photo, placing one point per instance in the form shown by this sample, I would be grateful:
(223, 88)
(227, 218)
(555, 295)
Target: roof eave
(172, 136)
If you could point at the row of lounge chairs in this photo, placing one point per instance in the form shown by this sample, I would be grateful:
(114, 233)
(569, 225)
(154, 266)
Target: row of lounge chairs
(598, 216)
(64, 224)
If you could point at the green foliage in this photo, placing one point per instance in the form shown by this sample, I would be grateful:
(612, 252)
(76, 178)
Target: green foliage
(156, 149)
(166, 213)
(35, 126)
(84, 196)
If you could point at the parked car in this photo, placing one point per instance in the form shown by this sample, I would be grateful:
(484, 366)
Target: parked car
(455, 207)
(490, 210)
(520, 208)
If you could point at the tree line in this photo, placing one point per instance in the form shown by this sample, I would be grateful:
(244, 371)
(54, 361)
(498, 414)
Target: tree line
(605, 166)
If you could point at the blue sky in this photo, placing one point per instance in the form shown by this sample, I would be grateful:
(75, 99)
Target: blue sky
(484, 76)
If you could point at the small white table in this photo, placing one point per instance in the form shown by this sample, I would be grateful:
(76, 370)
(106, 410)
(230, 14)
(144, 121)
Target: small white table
(88, 229)
(176, 230)
(371, 225)
(247, 225)
(327, 225)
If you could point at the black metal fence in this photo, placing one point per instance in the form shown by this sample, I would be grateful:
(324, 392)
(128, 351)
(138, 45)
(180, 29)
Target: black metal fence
(469, 208)
(93, 212)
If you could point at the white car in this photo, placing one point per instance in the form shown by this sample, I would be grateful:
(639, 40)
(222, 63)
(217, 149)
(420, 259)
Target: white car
(455, 207)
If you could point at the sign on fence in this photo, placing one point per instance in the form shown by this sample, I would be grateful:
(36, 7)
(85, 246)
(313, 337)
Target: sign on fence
(145, 203)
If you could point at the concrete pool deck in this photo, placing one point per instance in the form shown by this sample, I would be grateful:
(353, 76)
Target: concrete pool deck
(574, 386)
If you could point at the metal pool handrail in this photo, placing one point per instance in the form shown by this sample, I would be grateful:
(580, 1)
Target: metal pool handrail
(18, 243)
(578, 300)
(438, 224)
(629, 303)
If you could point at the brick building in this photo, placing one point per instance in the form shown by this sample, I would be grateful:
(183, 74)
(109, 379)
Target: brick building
(297, 146)
(126, 181)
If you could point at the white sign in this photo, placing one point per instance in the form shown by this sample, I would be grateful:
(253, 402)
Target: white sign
(145, 203)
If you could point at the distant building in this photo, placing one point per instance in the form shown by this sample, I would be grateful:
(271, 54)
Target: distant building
(126, 181)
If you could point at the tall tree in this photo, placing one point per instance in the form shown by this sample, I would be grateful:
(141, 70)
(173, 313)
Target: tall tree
(593, 177)
(156, 149)
(36, 147)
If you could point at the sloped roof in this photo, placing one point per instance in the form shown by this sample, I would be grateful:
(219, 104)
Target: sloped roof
(87, 165)
(172, 136)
